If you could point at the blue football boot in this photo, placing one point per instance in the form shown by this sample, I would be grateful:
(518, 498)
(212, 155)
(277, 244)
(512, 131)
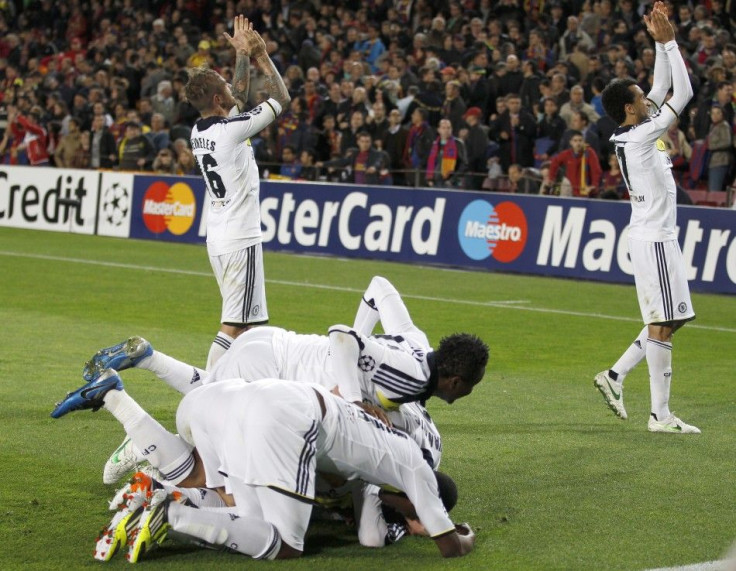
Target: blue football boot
(119, 357)
(89, 395)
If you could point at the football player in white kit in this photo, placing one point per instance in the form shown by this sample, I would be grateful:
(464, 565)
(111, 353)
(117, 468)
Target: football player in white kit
(277, 353)
(659, 268)
(221, 144)
(264, 448)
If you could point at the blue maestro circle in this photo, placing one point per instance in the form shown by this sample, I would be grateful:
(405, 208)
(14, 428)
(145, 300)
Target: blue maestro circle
(472, 229)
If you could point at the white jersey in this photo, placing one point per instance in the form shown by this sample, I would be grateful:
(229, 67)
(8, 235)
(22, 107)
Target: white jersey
(647, 170)
(393, 369)
(273, 352)
(357, 445)
(273, 433)
(413, 419)
(222, 149)
(643, 157)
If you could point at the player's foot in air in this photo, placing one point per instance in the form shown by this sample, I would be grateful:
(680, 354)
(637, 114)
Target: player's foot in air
(128, 503)
(119, 357)
(613, 393)
(89, 395)
(153, 526)
(671, 424)
(124, 460)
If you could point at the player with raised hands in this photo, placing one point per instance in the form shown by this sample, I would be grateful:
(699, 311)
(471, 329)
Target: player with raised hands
(659, 268)
(220, 142)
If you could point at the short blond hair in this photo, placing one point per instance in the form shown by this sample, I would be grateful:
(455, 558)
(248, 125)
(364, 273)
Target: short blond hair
(204, 83)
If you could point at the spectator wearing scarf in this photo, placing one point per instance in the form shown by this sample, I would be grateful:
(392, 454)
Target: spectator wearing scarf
(447, 158)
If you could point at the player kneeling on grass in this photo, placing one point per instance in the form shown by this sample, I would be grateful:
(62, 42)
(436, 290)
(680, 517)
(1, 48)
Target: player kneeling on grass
(264, 446)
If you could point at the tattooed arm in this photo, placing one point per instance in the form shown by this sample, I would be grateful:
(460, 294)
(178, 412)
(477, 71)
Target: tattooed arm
(241, 78)
(273, 82)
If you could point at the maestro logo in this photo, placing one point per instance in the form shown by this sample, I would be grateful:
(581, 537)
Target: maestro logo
(169, 208)
(485, 230)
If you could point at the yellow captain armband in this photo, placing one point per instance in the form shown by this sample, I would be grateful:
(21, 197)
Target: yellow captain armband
(387, 403)
(660, 145)
(390, 489)
(247, 142)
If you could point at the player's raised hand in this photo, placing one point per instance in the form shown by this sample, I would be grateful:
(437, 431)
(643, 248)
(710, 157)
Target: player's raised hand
(667, 27)
(257, 43)
(658, 24)
(240, 39)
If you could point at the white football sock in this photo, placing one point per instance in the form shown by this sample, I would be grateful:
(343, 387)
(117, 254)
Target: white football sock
(165, 451)
(632, 356)
(249, 535)
(366, 317)
(221, 344)
(382, 301)
(659, 359)
(201, 497)
(177, 374)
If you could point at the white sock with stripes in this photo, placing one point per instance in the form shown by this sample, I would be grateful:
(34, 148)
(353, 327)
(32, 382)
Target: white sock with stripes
(202, 498)
(632, 356)
(659, 359)
(221, 344)
(366, 316)
(165, 451)
(177, 374)
(245, 534)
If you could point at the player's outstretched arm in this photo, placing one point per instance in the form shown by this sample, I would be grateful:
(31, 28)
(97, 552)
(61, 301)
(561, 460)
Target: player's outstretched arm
(242, 28)
(274, 83)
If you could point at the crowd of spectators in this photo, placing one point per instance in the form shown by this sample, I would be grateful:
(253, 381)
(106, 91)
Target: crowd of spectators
(502, 95)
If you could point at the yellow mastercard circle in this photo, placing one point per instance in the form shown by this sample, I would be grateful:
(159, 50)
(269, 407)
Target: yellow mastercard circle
(184, 208)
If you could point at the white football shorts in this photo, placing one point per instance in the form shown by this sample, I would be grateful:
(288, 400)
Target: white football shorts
(242, 286)
(661, 282)
(290, 517)
(250, 357)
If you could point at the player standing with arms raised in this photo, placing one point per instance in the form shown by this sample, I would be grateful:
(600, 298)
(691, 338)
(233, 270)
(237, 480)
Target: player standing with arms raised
(221, 144)
(659, 268)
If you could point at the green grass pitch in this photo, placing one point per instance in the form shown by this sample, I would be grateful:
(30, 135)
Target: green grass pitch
(548, 477)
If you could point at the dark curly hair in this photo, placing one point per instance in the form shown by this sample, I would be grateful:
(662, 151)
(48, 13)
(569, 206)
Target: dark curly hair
(616, 96)
(462, 354)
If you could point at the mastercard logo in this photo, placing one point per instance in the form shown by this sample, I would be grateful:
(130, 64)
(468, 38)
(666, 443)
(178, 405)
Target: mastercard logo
(497, 231)
(169, 208)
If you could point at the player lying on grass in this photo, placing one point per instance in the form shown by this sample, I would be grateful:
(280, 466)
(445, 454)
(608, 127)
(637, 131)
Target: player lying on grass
(264, 444)
(396, 367)
(399, 366)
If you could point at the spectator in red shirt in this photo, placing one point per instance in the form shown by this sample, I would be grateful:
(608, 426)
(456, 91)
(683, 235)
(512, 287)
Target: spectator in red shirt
(31, 136)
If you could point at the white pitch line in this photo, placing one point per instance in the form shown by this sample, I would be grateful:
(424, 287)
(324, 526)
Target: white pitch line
(506, 304)
(724, 565)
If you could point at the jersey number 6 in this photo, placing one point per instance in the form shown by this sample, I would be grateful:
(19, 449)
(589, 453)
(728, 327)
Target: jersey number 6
(214, 182)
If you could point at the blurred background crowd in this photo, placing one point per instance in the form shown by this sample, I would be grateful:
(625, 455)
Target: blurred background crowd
(496, 95)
